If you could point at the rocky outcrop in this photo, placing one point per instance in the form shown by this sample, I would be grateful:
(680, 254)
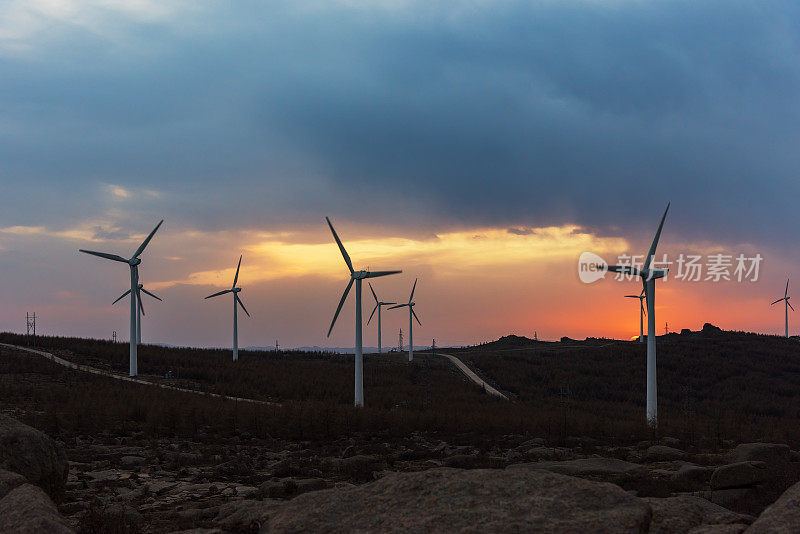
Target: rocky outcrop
(587, 467)
(663, 453)
(774, 455)
(9, 481)
(34, 455)
(782, 516)
(467, 500)
(28, 510)
(690, 477)
(739, 475)
(685, 513)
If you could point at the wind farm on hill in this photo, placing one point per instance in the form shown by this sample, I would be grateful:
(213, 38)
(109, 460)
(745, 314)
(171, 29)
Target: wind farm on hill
(573, 218)
(569, 407)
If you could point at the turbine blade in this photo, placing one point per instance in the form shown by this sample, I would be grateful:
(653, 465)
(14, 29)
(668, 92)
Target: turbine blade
(790, 305)
(241, 304)
(375, 274)
(415, 315)
(398, 306)
(139, 302)
(219, 293)
(341, 303)
(151, 294)
(624, 269)
(386, 303)
(373, 313)
(412, 290)
(147, 240)
(373, 293)
(777, 301)
(632, 296)
(121, 297)
(341, 247)
(236, 278)
(785, 293)
(652, 251)
(104, 255)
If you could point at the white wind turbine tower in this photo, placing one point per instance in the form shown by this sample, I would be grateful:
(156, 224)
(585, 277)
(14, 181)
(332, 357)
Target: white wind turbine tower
(411, 313)
(133, 262)
(649, 277)
(140, 311)
(356, 276)
(235, 290)
(786, 306)
(641, 297)
(378, 306)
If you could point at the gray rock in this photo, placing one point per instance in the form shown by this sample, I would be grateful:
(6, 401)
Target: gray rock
(9, 481)
(34, 455)
(245, 515)
(775, 455)
(28, 510)
(692, 477)
(739, 475)
(683, 513)
(585, 467)
(476, 500)
(131, 461)
(662, 453)
(782, 516)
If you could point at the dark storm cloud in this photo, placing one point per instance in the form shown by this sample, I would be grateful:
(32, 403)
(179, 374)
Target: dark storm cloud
(515, 114)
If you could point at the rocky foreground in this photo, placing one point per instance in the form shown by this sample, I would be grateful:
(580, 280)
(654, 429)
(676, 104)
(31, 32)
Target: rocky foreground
(108, 483)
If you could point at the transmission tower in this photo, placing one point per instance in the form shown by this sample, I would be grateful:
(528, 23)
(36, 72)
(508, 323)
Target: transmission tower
(30, 320)
(400, 346)
(114, 336)
(277, 347)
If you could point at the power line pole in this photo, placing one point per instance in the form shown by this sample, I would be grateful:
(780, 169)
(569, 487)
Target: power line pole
(666, 328)
(114, 336)
(400, 346)
(30, 320)
(277, 347)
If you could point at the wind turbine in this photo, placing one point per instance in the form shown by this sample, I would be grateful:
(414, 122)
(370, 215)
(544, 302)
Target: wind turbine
(133, 262)
(649, 277)
(641, 297)
(411, 314)
(378, 306)
(235, 290)
(786, 306)
(140, 311)
(356, 276)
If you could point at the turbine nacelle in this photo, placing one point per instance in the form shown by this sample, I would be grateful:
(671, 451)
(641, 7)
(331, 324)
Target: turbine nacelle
(359, 275)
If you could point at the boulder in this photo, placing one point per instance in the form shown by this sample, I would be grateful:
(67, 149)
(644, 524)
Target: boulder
(604, 468)
(663, 453)
(739, 475)
(9, 481)
(28, 510)
(34, 455)
(687, 512)
(691, 477)
(476, 500)
(245, 515)
(782, 516)
(359, 467)
(775, 455)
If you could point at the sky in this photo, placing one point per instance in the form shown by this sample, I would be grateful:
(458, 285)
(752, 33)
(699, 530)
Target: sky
(478, 146)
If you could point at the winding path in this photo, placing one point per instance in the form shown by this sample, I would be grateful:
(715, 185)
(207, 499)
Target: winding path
(86, 369)
(469, 373)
